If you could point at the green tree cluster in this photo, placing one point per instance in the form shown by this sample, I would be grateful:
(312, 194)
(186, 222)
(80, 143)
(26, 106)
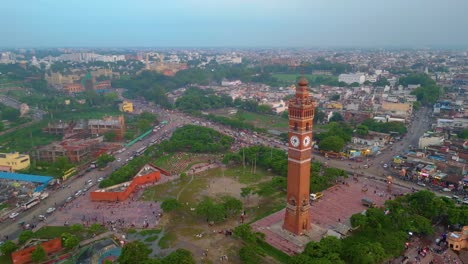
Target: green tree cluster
(217, 212)
(195, 99)
(198, 139)
(39, 254)
(104, 159)
(428, 93)
(138, 252)
(170, 204)
(387, 127)
(125, 173)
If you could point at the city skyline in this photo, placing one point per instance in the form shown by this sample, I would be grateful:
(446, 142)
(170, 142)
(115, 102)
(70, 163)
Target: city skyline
(261, 23)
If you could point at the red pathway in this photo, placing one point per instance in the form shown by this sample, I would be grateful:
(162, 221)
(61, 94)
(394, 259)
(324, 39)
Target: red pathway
(336, 207)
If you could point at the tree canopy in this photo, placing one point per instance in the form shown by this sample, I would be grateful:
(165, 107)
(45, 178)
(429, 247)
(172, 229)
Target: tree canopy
(387, 127)
(332, 143)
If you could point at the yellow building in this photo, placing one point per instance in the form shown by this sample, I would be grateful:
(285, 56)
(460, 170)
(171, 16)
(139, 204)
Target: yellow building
(458, 240)
(126, 107)
(334, 106)
(14, 161)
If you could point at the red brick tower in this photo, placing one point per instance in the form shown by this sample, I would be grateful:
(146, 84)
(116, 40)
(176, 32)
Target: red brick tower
(301, 116)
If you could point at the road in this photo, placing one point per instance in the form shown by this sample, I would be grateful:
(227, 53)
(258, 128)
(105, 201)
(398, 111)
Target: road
(242, 139)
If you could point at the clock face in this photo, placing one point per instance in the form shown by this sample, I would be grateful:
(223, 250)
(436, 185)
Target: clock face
(306, 141)
(294, 141)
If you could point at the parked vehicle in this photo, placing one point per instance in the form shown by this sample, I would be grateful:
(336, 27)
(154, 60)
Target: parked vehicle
(31, 203)
(50, 210)
(69, 199)
(44, 195)
(367, 202)
(13, 215)
(316, 196)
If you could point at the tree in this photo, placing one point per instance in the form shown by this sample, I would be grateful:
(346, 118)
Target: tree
(8, 247)
(336, 117)
(249, 255)
(134, 252)
(76, 228)
(209, 209)
(39, 254)
(25, 236)
(70, 241)
(362, 130)
(170, 204)
(104, 159)
(231, 205)
(110, 136)
(245, 232)
(180, 256)
(319, 115)
(333, 143)
(246, 192)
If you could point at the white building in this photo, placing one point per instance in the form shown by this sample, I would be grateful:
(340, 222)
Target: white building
(352, 78)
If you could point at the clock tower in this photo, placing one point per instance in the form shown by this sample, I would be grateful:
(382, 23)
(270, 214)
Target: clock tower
(301, 115)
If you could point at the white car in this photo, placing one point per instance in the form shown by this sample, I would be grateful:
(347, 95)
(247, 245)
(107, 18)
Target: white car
(385, 165)
(119, 159)
(50, 210)
(13, 215)
(100, 179)
(446, 190)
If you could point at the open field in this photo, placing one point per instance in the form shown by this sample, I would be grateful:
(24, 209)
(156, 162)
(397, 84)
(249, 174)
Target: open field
(24, 139)
(265, 121)
(181, 227)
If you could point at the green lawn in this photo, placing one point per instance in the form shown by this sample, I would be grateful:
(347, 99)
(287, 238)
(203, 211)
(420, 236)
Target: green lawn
(244, 176)
(5, 259)
(265, 121)
(93, 113)
(23, 139)
(167, 240)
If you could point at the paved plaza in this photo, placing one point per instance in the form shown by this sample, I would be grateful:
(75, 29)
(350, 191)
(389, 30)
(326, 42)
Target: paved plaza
(125, 214)
(329, 215)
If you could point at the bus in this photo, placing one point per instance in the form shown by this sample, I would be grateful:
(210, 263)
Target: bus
(31, 203)
(140, 151)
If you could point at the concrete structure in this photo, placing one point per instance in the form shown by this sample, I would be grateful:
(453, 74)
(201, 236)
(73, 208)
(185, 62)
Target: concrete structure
(24, 256)
(397, 109)
(120, 192)
(99, 127)
(458, 240)
(352, 78)
(430, 140)
(301, 115)
(126, 107)
(76, 150)
(14, 161)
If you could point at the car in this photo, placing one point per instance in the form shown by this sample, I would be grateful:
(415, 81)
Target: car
(89, 182)
(421, 184)
(50, 210)
(78, 193)
(69, 199)
(85, 189)
(13, 215)
(100, 179)
(119, 159)
(446, 190)
(42, 217)
(385, 165)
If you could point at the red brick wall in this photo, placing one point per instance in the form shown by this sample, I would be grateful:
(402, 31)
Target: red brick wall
(122, 196)
(24, 256)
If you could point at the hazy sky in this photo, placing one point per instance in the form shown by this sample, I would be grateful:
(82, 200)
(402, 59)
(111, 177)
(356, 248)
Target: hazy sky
(240, 23)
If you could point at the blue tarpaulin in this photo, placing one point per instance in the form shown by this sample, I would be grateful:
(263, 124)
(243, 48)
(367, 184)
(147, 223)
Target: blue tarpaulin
(27, 178)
